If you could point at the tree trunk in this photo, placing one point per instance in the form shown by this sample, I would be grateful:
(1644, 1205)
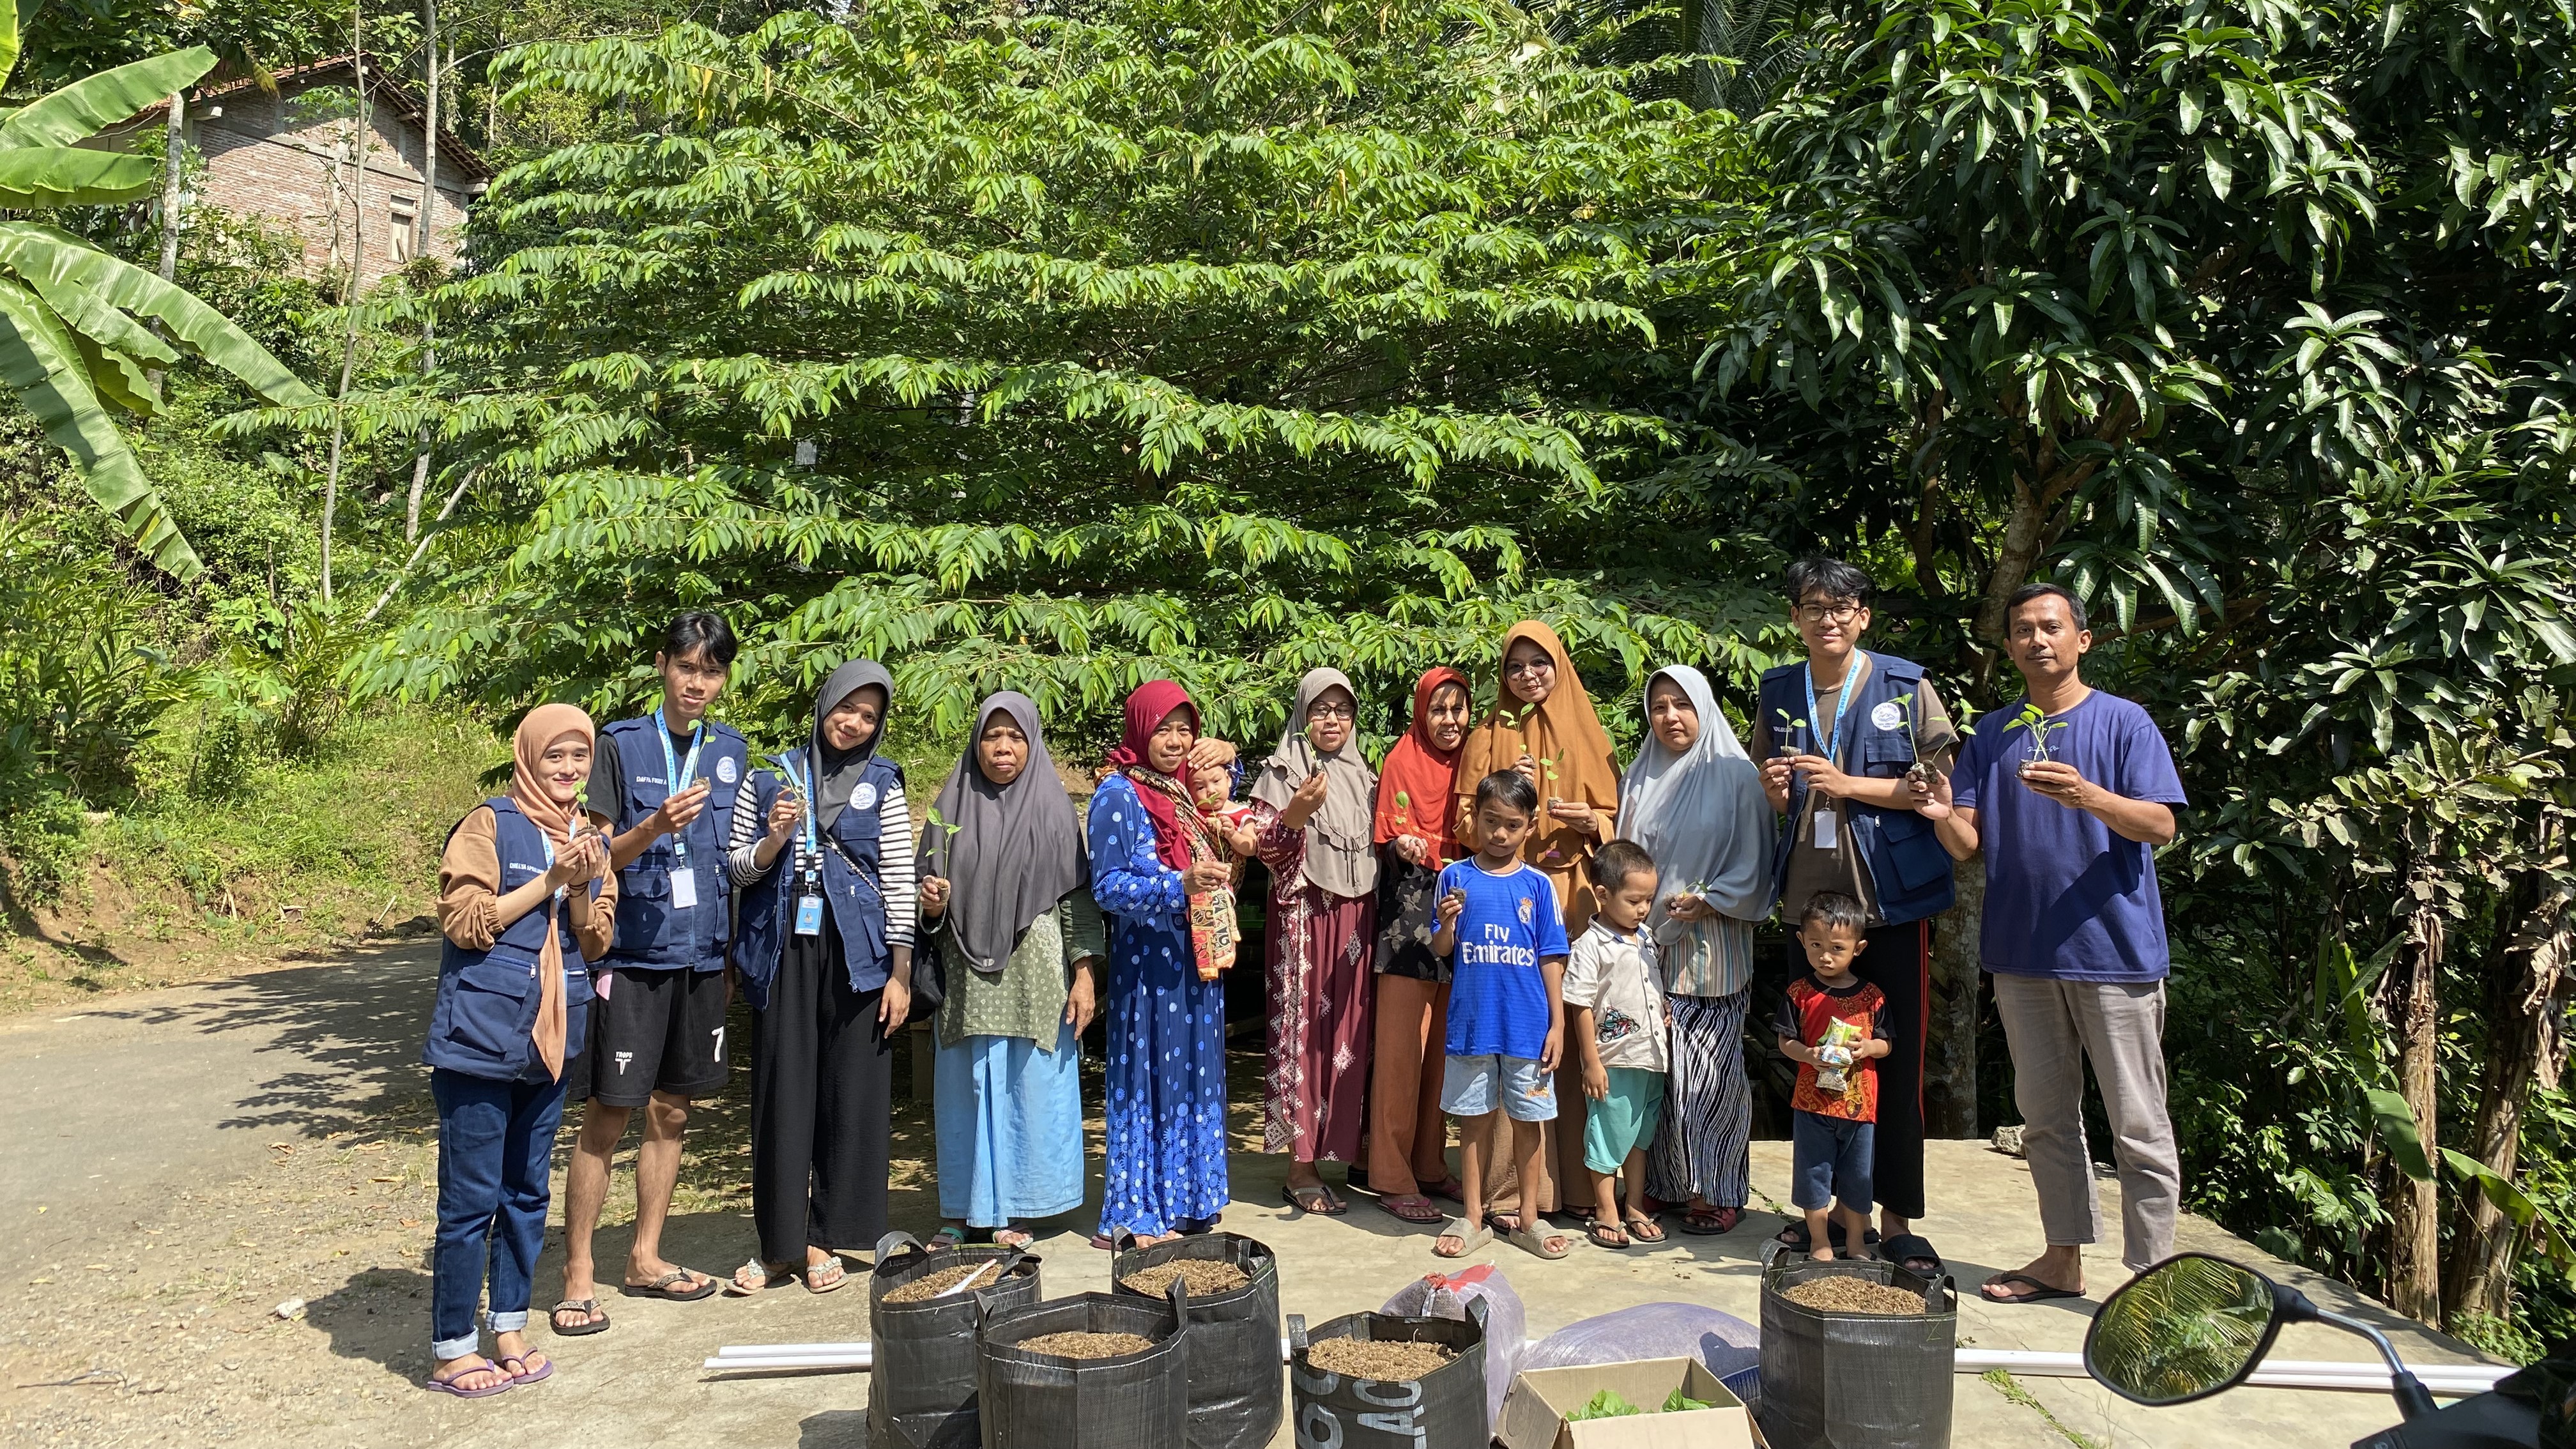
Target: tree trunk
(174, 156)
(2415, 1226)
(2535, 939)
(420, 244)
(1950, 1057)
(349, 296)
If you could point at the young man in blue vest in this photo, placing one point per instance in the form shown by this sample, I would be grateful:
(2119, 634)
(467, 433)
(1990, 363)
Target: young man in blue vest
(1838, 737)
(658, 1030)
(2070, 810)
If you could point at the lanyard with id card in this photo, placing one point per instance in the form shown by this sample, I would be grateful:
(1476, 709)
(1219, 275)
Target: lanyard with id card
(809, 859)
(1826, 832)
(677, 776)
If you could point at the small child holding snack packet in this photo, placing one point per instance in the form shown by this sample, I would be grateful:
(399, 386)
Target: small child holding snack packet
(1834, 1025)
(1230, 819)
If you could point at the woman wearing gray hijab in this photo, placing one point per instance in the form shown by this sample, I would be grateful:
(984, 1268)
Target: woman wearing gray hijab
(1006, 895)
(825, 952)
(1694, 800)
(1316, 819)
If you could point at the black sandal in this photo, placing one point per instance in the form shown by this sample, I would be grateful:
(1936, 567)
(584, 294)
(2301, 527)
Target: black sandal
(593, 1320)
(1907, 1249)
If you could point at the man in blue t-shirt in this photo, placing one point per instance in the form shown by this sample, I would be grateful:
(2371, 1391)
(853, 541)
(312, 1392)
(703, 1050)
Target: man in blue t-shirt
(2069, 792)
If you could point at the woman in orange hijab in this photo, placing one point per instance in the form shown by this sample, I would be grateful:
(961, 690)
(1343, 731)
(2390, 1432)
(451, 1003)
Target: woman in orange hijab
(1544, 727)
(524, 897)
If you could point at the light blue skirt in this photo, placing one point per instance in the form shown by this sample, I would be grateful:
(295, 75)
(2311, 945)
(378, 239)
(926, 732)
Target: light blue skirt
(1010, 1129)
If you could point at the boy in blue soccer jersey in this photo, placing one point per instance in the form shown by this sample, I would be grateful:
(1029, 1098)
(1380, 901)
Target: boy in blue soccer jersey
(1501, 920)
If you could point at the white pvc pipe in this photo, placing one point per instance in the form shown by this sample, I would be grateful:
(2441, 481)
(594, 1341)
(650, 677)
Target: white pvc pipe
(2451, 1380)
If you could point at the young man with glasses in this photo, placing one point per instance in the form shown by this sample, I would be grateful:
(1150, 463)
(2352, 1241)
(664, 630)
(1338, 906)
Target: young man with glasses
(1839, 736)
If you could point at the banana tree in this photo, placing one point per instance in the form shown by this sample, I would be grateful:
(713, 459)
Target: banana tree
(73, 335)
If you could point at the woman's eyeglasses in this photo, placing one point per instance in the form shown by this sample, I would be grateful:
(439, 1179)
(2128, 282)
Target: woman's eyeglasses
(1530, 666)
(1332, 711)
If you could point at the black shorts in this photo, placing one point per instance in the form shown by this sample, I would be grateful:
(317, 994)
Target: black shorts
(655, 1031)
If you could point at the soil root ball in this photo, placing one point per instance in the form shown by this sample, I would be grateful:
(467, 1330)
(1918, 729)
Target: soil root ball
(1368, 1358)
(1843, 1293)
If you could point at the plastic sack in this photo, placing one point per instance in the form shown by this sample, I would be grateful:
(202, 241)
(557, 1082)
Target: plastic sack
(1446, 1295)
(921, 1376)
(1444, 1409)
(1039, 1401)
(1236, 1392)
(1728, 1345)
(1857, 1380)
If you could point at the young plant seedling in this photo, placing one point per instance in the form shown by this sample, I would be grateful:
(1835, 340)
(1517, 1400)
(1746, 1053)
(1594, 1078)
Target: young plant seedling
(1917, 772)
(1790, 731)
(945, 840)
(2033, 719)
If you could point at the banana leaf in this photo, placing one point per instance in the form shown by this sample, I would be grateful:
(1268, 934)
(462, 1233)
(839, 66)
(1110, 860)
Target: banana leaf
(94, 103)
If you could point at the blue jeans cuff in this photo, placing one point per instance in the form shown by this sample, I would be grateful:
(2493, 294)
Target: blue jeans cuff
(443, 1349)
(510, 1322)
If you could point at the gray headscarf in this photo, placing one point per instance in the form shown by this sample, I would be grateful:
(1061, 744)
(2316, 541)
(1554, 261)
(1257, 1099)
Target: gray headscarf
(1339, 854)
(1009, 852)
(1701, 814)
(837, 772)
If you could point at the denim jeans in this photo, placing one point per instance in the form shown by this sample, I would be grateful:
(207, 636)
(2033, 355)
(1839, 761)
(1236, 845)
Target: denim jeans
(495, 1143)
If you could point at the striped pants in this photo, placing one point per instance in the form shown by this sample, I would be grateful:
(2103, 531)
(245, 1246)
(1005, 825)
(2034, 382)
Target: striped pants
(1702, 1149)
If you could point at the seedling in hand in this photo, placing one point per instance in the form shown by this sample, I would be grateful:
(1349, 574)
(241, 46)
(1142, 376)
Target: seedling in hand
(945, 840)
(1791, 730)
(1918, 772)
(2035, 720)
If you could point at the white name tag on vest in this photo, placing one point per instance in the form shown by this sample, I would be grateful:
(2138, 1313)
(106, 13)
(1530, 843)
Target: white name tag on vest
(684, 889)
(1827, 836)
(809, 916)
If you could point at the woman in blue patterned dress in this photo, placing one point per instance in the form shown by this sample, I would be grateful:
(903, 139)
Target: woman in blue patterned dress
(1166, 1171)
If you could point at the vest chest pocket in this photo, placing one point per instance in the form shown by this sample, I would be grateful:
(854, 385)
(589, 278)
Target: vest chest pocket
(491, 1009)
(1884, 754)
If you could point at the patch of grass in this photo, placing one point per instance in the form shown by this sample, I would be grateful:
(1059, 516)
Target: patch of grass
(2002, 1382)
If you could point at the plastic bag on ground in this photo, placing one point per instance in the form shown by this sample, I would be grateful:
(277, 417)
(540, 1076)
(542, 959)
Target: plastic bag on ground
(1729, 1346)
(1446, 1295)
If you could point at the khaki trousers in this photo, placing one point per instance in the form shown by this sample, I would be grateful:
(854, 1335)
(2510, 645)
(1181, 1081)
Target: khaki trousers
(2054, 1027)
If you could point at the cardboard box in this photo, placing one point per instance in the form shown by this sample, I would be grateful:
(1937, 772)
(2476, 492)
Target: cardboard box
(1535, 1409)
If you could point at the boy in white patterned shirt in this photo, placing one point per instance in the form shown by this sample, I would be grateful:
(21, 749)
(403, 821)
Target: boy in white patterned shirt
(1614, 1007)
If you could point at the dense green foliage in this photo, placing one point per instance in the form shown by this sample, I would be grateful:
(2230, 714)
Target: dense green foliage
(1064, 347)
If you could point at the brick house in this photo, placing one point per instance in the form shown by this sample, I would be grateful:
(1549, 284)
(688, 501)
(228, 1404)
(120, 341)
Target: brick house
(290, 156)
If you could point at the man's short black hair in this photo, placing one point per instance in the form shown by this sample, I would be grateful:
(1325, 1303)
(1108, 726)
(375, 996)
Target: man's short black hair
(701, 629)
(2028, 592)
(1509, 788)
(1612, 864)
(1835, 912)
(1830, 577)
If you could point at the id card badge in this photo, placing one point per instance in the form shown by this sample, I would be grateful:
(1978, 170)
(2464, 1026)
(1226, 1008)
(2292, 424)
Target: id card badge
(809, 915)
(684, 889)
(1828, 836)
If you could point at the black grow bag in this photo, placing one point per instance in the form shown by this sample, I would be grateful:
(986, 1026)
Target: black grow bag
(1444, 1409)
(1038, 1401)
(1857, 1380)
(1236, 1391)
(921, 1372)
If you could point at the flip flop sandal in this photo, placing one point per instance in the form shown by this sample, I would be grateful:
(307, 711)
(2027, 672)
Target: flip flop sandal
(446, 1383)
(2040, 1292)
(1713, 1221)
(521, 1374)
(1643, 1229)
(700, 1286)
(1447, 1190)
(754, 1268)
(1318, 1200)
(1600, 1233)
(949, 1236)
(1796, 1237)
(1470, 1239)
(592, 1320)
(1907, 1249)
(1411, 1208)
(825, 1276)
(1012, 1238)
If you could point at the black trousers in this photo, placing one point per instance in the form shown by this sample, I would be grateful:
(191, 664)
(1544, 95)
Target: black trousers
(1898, 962)
(821, 1076)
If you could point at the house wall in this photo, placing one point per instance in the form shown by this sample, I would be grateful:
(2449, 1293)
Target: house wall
(267, 156)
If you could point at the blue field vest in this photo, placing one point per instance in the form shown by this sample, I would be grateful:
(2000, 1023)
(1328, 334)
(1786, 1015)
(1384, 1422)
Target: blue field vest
(852, 892)
(486, 1016)
(1907, 866)
(650, 933)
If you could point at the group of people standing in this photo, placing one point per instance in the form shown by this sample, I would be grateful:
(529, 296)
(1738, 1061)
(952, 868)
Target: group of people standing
(657, 854)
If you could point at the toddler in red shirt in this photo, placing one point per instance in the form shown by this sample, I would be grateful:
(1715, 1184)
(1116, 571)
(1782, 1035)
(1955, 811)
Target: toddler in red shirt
(1834, 1026)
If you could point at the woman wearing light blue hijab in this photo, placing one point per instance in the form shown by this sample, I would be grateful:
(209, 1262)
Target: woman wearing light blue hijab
(1694, 800)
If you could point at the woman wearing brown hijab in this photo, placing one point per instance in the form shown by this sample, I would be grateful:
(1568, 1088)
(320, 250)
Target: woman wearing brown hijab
(525, 899)
(1544, 726)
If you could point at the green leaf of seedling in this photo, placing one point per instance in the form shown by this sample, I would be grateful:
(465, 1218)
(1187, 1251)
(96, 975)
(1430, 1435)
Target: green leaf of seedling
(1678, 1402)
(1402, 800)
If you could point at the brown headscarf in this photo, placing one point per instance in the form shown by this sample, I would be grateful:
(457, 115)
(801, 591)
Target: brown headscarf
(1564, 736)
(544, 725)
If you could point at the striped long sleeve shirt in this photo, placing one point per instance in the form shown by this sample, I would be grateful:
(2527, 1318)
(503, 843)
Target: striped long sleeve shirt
(895, 862)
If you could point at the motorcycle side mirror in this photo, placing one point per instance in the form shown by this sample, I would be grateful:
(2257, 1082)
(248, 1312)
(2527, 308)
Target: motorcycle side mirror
(2195, 1325)
(2187, 1328)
